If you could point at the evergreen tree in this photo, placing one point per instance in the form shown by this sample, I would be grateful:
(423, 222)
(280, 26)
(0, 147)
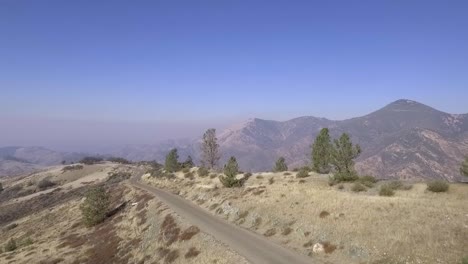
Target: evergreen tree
(464, 167)
(95, 206)
(343, 154)
(172, 163)
(231, 169)
(281, 165)
(321, 152)
(210, 149)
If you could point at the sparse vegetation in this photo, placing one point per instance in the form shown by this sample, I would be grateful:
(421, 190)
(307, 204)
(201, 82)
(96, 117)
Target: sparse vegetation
(95, 206)
(210, 149)
(230, 171)
(464, 260)
(280, 165)
(11, 245)
(270, 232)
(1, 187)
(118, 176)
(172, 163)
(321, 152)
(247, 175)
(271, 180)
(185, 170)
(203, 172)
(91, 160)
(437, 186)
(119, 160)
(72, 167)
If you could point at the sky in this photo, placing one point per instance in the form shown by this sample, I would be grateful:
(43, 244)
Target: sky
(81, 73)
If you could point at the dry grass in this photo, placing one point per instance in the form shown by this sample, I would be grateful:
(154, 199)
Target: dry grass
(413, 226)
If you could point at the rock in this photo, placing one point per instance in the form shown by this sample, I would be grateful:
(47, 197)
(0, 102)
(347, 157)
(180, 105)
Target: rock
(318, 248)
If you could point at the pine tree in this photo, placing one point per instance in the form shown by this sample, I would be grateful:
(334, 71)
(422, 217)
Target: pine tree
(281, 165)
(464, 167)
(321, 152)
(231, 169)
(172, 163)
(94, 208)
(342, 157)
(210, 149)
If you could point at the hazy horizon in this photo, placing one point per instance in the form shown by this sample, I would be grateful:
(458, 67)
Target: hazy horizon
(88, 75)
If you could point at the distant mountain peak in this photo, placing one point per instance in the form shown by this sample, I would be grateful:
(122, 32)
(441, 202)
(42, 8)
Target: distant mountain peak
(408, 105)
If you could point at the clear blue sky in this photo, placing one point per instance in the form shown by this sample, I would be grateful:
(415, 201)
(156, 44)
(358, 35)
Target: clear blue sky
(213, 61)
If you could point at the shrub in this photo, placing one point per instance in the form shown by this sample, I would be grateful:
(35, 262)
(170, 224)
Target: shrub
(186, 170)
(386, 190)
(10, 245)
(280, 165)
(286, 173)
(358, 187)
(72, 167)
(464, 260)
(367, 178)
(302, 173)
(44, 184)
(203, 172)
(189, 175)
(119, 160)
(345, 177)
(172, 163)
(213, 175)
(95, 206)
(90, 160)
(271, 180)
(28, 241)
(341, 187)
(437, 186)
(192, 252)
(1, 187)
(230, 171)
(247, 175)
(116, 177)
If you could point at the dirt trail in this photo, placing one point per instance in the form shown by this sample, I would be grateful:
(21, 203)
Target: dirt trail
(253, 247)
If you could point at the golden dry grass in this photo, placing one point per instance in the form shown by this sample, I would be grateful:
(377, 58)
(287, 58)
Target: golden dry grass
(414, 226)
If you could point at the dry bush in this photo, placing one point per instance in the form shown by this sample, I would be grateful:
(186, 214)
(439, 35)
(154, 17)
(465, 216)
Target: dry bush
(203, 172)
(189, 233)
(340, 187)
(189, 175)
(324, 214)
(286, 231)
(301, 181)
(386, 190)
(10, 245)
(45, 184)
(213, 206)
(286, 173)
(270, 232)
(437, 186)
(271, 180)
(247, 175)
(213, 175)
(302, 173)
(260, 177)
(192, 252)
(308, 244)
(185, 170)
(358, 187)
(328, 247)
(172, 256)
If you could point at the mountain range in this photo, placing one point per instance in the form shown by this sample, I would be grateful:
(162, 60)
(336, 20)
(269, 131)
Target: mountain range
(405, 140)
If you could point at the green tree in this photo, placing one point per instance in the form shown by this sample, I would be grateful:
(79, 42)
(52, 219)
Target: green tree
(210, 149)
(281, 165)
(172, 163)
(464, 167)
(321, 152)
(95, 206)
(231, 169)
(343, 154)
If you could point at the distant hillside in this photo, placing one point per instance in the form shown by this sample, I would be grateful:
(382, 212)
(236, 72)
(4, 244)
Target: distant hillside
(404, 139)
(20, 160)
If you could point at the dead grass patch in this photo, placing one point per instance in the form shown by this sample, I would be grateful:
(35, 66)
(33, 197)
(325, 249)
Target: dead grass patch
(169, 232)
(286, 231)
(328, 247)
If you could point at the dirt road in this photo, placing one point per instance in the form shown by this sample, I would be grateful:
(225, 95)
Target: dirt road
(255, 248)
